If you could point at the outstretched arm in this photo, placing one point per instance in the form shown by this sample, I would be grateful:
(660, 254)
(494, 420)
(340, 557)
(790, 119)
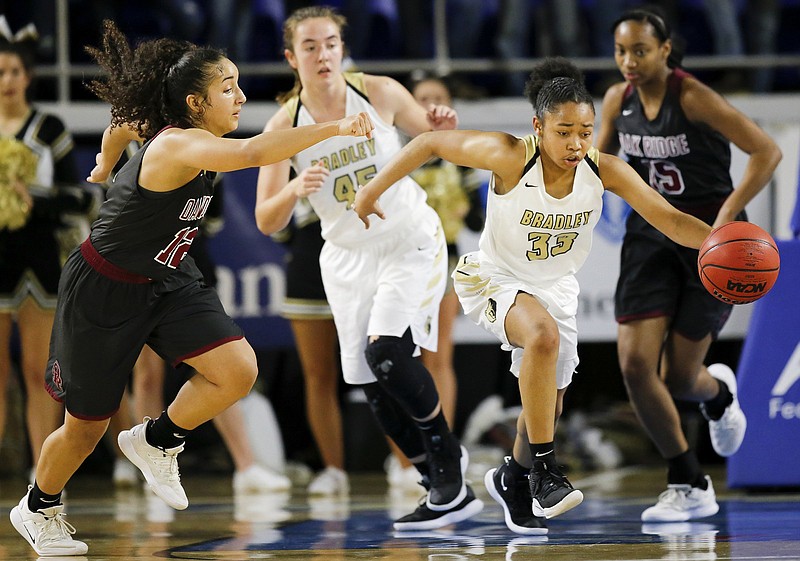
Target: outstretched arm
(500, 153)
(200, 149)
(621, 179)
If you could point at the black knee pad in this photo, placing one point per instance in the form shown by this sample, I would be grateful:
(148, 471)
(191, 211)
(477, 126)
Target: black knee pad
(388, 355)
(401, 375)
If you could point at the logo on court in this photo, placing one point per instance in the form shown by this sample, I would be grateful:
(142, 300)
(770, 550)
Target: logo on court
(778, 406)
(491, 310)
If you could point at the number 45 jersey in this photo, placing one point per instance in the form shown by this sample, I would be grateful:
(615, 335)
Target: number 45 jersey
(147, 232)
(353, 161)
(688, 163)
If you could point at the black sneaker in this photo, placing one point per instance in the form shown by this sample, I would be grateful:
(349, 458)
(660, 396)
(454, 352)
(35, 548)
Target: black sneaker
(514, 495)
(552, 493)
(424, 518)
(447, 465)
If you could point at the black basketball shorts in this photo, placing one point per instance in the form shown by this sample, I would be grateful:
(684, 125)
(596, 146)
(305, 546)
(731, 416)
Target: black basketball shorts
(659, 278)
(102, 324)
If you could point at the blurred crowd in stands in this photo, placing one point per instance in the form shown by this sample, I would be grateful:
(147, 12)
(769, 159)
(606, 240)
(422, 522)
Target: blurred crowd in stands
(250, 32)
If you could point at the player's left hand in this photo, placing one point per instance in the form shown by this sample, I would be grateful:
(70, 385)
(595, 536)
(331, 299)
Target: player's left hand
(356, 125)
(365, 204)
(442, 117)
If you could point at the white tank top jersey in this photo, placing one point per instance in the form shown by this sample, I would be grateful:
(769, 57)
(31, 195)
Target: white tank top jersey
(353, 161)
(535, 237)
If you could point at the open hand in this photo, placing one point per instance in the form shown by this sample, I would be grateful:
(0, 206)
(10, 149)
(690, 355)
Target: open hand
(356, 125)
(442, 117)
(365, 204)
(309, 180)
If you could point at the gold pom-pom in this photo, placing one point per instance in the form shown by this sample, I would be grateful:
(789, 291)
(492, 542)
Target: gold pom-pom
(17, 166)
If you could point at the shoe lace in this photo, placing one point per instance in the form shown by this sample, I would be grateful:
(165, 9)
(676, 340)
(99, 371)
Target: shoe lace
(54, 528)
(549, 481)
(165, 464)
(675, 496)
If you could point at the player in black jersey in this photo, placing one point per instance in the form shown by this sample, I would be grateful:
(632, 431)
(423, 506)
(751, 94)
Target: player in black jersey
(132, 283)
(676, 132)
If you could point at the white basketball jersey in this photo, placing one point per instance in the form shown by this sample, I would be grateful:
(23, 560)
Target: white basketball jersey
(353, 161)
(535, 237)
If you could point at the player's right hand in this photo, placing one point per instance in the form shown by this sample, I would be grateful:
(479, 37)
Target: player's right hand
(356, 125)
(309, 180)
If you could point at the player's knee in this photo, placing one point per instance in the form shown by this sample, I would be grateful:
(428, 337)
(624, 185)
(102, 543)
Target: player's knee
(385, 356)
(243, 374)
(84, 435)
(636, 370)
(541, 337)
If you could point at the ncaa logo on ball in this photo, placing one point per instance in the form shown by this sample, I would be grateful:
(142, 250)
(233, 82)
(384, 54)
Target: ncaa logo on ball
(746, 288)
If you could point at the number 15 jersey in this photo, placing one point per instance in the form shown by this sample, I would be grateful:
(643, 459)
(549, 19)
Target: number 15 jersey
(353, 161)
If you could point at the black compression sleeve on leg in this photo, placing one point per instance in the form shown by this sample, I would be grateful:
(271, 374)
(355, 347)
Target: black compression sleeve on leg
(394, 421)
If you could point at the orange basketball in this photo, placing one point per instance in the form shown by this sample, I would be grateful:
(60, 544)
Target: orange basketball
(738, 262)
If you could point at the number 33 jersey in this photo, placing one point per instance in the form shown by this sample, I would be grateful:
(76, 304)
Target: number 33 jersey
(353, 161)
(535, 237)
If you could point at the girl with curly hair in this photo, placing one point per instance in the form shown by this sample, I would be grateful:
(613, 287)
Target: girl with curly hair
(132, 281)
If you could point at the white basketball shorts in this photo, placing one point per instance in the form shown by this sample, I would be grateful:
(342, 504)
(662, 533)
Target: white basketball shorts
(487, 294)
(386, 287)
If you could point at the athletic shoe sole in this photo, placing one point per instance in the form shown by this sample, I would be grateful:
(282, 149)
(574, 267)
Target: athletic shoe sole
(488, 481)
(567, 503)
(470, 509)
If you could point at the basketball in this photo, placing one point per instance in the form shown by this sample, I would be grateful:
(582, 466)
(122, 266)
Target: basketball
(738, 262)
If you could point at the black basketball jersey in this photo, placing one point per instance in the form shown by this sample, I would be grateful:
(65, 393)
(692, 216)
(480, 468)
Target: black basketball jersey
(149, 233)
(687, 162)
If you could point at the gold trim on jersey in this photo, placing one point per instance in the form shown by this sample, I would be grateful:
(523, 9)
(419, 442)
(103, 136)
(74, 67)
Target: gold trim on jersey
(353, 79)
(356, 79)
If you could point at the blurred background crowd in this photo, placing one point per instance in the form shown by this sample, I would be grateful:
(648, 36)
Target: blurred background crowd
(738, 45)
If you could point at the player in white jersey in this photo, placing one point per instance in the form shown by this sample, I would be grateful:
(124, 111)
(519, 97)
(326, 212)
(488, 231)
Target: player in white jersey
(545, 197)
(383, 285)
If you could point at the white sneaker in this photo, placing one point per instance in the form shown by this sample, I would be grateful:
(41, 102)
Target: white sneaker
(680, 503)
(258, 479)
(727, 433)
(46, 530)
(125, 473)
(330, 481)
(159, 467)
